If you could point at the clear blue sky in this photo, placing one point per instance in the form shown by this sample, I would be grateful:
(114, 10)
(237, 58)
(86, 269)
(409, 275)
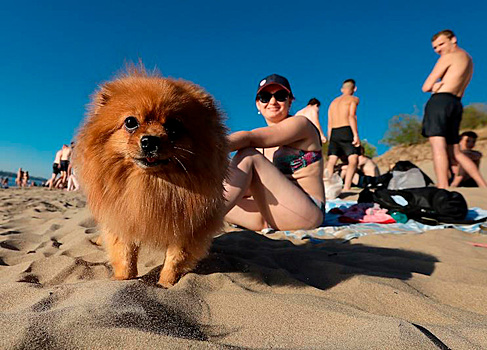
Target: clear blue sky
(55, 53)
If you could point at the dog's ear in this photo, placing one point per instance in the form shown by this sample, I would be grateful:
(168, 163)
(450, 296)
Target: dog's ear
(100, 98)
(103, 95)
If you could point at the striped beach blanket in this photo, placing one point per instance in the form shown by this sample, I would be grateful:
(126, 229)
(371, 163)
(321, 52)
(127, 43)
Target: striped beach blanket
(332, 228)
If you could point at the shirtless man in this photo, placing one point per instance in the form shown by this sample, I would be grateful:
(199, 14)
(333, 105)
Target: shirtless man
(467, 143)
(55, 169)
(65, 157)
(343, 132)
(443, 112)
(312, 112)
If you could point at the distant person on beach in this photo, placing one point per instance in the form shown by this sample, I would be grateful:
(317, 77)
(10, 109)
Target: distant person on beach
(56, 169)
(73, 184)
(343, 132)
(365, 167)
(64, 165)
(312, 112)
(443, 112)
(18, 179)
(5, 182)
(275, 178)
(467, 143)
(25, 179)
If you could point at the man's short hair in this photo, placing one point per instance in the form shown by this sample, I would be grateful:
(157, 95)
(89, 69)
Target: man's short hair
(314, 101)
(447, 32)
(350, 81)
(471, 134)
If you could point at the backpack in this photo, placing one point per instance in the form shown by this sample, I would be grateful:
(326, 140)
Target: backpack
(404, 174)
(427, 205)
(412, 178)
(406, 165)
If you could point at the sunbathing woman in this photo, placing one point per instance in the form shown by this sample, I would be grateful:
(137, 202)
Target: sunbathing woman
(275, 178)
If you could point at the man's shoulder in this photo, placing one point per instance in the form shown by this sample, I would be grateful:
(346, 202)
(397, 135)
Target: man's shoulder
(351, 98)
(301, 111)
(458, 55)
(472, 153)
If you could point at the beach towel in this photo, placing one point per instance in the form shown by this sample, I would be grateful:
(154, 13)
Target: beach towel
(332, 228)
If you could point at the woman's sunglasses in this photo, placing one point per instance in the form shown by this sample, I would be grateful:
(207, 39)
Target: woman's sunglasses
(265, 96)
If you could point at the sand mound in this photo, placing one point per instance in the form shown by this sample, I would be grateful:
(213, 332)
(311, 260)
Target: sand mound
(253, 291)
(422, 152)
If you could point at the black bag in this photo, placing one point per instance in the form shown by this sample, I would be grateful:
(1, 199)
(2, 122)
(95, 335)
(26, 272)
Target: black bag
(428, 205)
(405, 165)
(383, 180)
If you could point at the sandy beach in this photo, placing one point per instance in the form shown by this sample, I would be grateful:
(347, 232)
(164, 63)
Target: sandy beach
(422, 291)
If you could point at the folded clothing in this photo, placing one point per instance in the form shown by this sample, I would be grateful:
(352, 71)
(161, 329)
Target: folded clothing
(364, 213)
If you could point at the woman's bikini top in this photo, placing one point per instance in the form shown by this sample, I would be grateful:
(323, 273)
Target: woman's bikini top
(293, 159)
(289, 160)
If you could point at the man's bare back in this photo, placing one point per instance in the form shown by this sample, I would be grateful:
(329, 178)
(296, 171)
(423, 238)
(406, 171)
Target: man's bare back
(343, 132)
(312, 112)
(57, 158)
(339, 111)
(66, 153)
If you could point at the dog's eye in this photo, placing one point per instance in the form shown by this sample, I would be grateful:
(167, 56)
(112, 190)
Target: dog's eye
(131, 123)
(174, 129)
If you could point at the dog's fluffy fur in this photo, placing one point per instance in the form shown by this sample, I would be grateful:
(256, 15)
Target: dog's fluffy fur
(166, 192)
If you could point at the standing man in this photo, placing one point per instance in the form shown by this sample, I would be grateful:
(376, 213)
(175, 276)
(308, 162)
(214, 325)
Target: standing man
(343, 132)
(312, 112)
(65, 157)
(443, 112)
(55, 169)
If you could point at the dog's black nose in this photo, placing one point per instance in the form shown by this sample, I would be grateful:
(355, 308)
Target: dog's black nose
(150, 143)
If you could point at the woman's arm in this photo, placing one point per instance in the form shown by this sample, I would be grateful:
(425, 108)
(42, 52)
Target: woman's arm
(286, 132)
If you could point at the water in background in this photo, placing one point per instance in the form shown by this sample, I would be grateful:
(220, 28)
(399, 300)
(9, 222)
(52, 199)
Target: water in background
(11, 182)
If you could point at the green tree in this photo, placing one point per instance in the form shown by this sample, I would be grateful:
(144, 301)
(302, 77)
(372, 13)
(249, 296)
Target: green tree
(404, 129)
(369, 149)
(474, 116)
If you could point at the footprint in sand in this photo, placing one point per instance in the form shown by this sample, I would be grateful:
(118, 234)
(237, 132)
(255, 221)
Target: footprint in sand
(30, 279)
(55, 243)
(88, 223)
(54, 227)
(9, 244)
(91, 230)
(10, 232)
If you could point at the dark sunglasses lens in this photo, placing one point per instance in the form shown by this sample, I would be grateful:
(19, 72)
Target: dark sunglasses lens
(281, 95)
(264, 96)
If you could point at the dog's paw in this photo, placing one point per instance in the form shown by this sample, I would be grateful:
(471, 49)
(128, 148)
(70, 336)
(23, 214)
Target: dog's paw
(168, 280)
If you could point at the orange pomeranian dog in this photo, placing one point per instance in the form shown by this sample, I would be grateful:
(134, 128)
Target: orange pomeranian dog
(151, 158)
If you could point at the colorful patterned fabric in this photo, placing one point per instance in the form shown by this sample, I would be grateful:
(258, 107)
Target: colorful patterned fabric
(291, 163)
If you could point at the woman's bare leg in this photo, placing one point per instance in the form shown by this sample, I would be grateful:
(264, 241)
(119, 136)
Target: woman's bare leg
(281, 204)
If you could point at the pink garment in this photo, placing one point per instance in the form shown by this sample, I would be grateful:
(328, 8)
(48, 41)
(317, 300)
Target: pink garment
(378, 215)
(366, 212)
